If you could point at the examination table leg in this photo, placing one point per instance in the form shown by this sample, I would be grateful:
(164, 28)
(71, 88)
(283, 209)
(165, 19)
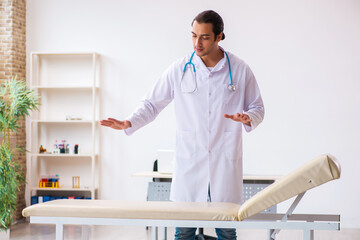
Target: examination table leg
(59, 231)
(85, 229)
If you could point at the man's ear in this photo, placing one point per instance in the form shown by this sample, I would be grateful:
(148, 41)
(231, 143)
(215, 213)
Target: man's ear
(219, 37)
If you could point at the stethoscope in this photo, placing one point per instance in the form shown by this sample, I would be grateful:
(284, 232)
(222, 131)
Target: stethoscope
(231, 87)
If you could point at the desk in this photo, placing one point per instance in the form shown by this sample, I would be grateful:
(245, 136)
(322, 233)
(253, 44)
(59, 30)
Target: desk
(159, 189)
(169, 175)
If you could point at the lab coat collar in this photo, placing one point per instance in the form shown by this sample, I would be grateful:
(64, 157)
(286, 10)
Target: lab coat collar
(199, 64)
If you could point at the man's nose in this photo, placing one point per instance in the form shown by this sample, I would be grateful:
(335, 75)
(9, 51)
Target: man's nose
(197, 42)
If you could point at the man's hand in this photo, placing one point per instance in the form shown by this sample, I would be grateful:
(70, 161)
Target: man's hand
(240, 117)
(116, 124)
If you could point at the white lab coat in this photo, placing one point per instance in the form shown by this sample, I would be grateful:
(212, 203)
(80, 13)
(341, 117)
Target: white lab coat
(208, 146)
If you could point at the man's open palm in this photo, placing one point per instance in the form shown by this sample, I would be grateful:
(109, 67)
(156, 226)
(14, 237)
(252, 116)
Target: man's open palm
(239, 117)
(116, 124)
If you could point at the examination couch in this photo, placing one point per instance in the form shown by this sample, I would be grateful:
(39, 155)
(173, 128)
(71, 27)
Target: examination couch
(314, 173)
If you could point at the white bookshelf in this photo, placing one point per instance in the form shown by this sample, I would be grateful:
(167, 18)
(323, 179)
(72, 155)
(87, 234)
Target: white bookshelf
(69, 85)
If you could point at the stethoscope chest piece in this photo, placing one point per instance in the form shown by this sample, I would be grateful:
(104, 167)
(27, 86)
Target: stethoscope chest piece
(231, 87)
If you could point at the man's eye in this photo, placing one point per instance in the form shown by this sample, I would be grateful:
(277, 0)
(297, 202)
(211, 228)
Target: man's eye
(205, 38)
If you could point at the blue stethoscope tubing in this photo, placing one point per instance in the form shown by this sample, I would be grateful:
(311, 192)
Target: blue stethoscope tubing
(231, 86)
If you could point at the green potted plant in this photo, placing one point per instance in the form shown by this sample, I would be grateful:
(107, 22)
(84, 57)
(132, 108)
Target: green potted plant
(16, 101)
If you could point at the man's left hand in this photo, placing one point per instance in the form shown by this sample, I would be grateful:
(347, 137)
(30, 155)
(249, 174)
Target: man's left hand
(240, 117)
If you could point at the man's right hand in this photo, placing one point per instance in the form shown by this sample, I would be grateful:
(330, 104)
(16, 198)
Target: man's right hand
(115, 124)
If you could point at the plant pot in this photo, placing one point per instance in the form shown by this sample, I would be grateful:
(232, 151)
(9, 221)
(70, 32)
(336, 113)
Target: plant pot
(5, 235)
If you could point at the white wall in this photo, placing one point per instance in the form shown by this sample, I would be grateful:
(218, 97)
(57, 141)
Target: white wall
(305, 55)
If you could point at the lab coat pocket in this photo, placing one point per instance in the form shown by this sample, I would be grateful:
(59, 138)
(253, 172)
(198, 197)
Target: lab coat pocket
(233, 149)
(186, 144)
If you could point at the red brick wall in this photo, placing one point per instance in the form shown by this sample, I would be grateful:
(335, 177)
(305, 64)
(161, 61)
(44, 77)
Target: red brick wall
(13, 62)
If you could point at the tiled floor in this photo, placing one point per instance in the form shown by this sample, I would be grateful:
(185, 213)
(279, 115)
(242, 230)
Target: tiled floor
(26, 231)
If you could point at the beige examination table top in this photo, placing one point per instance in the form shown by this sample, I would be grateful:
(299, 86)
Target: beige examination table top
(314, 173)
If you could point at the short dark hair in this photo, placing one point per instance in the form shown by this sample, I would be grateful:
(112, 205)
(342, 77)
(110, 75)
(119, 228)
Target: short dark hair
(210, 16)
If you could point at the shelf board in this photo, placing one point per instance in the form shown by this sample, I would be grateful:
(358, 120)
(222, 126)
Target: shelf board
(63, 121)
(64, 155)
(63, 189)
(64, 53)
(64, 87)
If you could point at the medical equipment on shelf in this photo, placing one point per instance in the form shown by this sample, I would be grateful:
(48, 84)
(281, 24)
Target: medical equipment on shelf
(62, 148)
(76, 182)
(42, 149)
(231, 86)
(76, 149)
(203, 214)
(51, 181)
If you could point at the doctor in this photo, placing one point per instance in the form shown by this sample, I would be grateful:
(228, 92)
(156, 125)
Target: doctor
(215, 94)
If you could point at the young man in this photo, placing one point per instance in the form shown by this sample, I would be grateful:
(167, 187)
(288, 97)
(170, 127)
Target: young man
(215, 94)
